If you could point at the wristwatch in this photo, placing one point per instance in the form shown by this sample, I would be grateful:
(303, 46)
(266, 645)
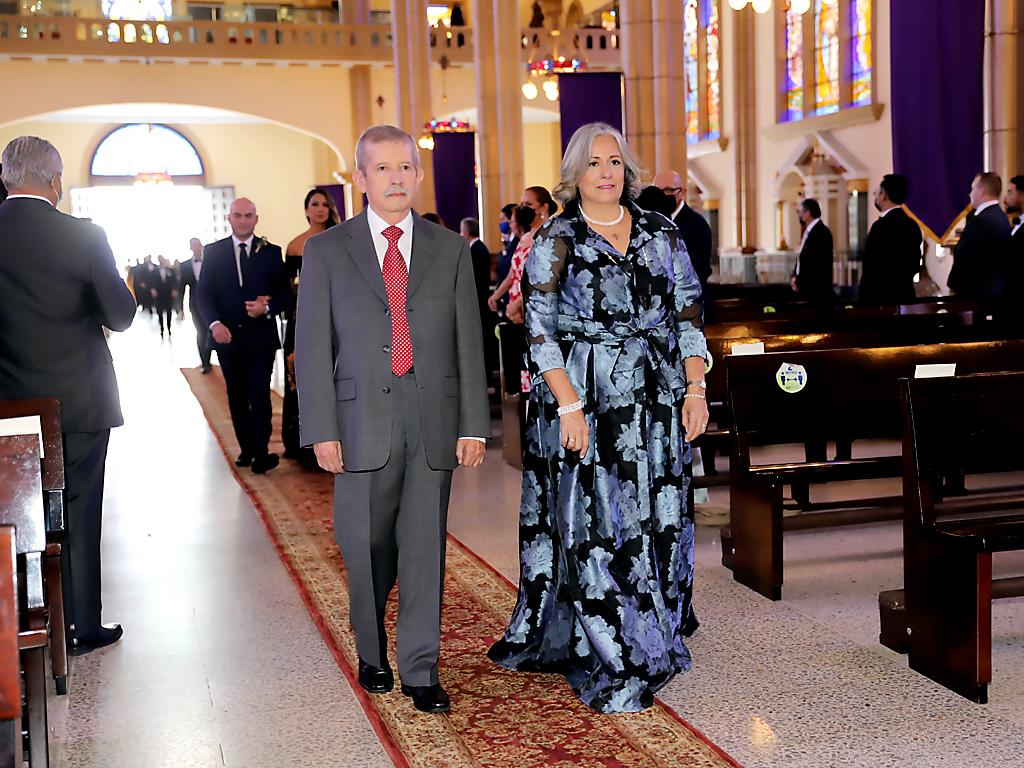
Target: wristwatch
(697, 383)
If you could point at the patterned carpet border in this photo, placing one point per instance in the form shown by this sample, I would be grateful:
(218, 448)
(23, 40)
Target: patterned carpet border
(509, 722)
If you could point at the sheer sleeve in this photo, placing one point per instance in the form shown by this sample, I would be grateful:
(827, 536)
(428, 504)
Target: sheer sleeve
(541, 281)
(688, 306)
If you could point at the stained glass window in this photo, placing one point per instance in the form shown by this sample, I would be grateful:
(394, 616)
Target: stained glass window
(826, 56)
(141, 148)
(690, 67)
(794, 64)
(714, 127)
(861, 53)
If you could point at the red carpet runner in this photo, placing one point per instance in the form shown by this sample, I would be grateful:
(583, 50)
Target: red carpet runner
(499, 719)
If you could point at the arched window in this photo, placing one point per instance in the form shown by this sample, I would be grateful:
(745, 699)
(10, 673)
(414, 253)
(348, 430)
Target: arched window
(827, 63)
(142, 150)
(702, 69)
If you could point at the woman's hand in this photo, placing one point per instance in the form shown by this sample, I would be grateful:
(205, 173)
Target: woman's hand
(575, 432)
(695, 417)
(514, 311)
(492, 302)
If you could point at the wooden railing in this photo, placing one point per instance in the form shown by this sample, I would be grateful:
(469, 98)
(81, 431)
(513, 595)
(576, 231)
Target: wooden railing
(281, 41)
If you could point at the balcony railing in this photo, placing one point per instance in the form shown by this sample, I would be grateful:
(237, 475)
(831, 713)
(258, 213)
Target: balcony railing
(280, 41)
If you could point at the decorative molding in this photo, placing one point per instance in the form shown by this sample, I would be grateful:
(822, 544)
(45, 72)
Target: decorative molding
(706, 147)
(844, 118)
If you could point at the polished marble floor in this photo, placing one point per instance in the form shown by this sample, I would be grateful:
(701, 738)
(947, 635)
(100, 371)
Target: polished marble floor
(222, 666)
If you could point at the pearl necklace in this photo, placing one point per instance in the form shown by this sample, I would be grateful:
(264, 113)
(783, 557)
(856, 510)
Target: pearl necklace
(622, 212)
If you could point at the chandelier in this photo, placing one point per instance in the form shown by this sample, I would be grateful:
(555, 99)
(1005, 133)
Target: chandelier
(158, 179)
(454, 125)
(763, 6)
(546, 67)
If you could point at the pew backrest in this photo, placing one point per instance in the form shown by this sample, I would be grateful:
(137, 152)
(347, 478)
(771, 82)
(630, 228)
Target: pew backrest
(49, 413)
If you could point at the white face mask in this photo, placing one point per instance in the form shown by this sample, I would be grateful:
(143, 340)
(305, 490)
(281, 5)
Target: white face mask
(58, 192)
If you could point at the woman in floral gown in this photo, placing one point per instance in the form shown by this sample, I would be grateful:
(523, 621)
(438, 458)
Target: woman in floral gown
(617, 359)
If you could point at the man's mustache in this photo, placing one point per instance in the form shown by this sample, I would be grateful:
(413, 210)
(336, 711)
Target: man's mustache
(396, 189)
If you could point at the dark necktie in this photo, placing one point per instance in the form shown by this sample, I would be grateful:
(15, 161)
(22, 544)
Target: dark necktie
(243, 263)
(396, 280)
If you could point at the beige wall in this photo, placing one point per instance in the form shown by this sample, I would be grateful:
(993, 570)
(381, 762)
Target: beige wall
(542, 155)
(274, 166)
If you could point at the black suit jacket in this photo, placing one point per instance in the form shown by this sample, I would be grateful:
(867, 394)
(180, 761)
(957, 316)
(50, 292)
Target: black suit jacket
(481, 271)
(981, 258)
(189, 280)
(892, 256)
(221, 299)
(814, 276)
(59, 286)
(165, 285)
(696, 234)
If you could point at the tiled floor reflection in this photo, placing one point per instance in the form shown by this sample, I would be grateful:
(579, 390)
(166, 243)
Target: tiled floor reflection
(221, 665)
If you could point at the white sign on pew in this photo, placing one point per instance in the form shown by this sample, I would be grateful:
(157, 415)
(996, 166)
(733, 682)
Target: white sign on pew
(754, 348)
(23, 425)
(935, 370)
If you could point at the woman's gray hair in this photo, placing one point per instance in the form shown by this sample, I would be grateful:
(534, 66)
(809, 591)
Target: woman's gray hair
(30, 163)
(380, 133)
(577, 156)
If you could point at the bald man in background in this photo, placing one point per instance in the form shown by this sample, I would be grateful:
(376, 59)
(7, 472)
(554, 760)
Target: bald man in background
(242, 288)
(692, 226)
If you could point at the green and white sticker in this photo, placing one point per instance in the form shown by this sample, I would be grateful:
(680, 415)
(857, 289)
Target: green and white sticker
(709, 363)
(791, 378)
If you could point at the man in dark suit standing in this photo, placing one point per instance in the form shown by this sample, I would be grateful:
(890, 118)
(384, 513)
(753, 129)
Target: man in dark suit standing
(1014, 202)
(469, 228)
(981, 257)
(191, 271)
(892, 251)
(164, 292)
(243, 286)
(692, 226)
(812, 278)
(59, 288)
(392, 397)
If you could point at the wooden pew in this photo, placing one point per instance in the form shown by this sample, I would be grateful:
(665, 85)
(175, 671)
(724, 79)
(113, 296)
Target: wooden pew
(848, 394)
(970, 425)
(49, 413)
(21, 505)
(10, 669)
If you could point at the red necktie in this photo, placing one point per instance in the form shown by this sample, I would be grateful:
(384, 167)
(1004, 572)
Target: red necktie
(396, 278)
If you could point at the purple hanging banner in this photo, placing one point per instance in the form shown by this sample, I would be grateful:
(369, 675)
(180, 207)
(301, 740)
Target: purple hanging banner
(337, 193)
(455, 177)
(589, 97)
(937, 53)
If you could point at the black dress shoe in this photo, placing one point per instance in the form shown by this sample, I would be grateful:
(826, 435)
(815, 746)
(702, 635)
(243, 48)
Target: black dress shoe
(244, 459)
(375, 679)
(432, 699)
(262, 464)
(108, 634)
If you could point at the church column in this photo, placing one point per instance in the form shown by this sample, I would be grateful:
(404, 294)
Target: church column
(668, 88)
(411, 36)
(638, 68)
(746, 127)
(360, 116)
(1004, 152)
(355, 11)
(499, 125)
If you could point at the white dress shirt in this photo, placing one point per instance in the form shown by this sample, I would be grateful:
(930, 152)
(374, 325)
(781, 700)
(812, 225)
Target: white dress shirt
(678, 210)
(803, 241)
(197, 266)
(985, 205)
(380, 245)
(31, 197)
(881, 214)
(1013, 232)
(235, 242)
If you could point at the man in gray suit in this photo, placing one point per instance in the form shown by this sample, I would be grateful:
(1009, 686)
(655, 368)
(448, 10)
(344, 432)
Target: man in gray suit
(392, 396)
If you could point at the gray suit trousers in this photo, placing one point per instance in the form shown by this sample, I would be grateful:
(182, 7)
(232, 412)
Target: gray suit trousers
(391, 523)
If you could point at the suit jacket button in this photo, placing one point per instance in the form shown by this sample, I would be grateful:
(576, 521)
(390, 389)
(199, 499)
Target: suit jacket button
(387, 390)
(386, 348)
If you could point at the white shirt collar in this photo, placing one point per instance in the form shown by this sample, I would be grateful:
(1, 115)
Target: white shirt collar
(983, 206)
(248, 243)
(678, 209)
(887, 210)
(31, 197)
(378, 225)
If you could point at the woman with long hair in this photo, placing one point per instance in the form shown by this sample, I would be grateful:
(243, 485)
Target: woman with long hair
(321, 215)
(616, 354)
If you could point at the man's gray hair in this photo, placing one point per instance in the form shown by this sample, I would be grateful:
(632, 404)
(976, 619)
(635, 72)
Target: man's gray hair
(471, 225)
(30, 163)
(577, 157)
(381, 133)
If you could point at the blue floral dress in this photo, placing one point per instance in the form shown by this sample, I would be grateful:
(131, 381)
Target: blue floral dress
(606, 542)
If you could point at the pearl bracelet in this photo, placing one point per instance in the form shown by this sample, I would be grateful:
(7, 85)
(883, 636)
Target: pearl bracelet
(571, 408)
(701, 395)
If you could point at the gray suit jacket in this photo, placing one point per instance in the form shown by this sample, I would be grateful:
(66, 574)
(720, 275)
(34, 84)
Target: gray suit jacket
(343, 344)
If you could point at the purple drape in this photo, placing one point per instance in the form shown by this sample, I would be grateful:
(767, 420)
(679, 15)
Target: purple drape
(589, 97)
(337, 193)
(455, 177)
(938, 49)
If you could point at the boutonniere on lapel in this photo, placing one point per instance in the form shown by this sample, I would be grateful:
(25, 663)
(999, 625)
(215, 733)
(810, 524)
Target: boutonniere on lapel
(258, 243)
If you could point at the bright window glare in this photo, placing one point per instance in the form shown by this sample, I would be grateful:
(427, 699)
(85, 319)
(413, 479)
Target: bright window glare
(142, 148)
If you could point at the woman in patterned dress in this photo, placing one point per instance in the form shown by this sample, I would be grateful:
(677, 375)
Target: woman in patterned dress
(617, 359)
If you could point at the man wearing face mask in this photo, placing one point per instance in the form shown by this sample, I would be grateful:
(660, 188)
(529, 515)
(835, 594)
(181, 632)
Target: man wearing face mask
(59, 287)
(892, 251)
